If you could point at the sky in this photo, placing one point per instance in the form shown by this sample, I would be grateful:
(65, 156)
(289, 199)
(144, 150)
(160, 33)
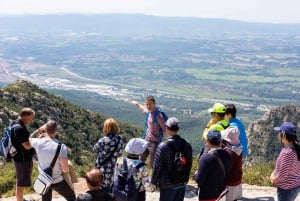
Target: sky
(272, 11)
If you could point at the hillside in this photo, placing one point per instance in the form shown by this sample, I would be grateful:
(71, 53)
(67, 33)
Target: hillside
(263, 142)
(81, 127)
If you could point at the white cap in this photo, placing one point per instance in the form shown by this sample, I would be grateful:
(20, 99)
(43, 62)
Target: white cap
(136, 146)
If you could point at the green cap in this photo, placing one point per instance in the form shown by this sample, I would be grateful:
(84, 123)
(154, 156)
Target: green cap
(218, 108)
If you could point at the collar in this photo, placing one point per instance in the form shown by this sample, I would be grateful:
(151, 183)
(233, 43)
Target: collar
(214, 149)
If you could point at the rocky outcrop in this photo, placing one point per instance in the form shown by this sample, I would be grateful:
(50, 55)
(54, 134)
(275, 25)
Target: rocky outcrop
(263, 141)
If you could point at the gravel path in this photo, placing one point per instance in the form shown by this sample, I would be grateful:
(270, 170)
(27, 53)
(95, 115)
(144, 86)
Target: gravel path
(250, 193)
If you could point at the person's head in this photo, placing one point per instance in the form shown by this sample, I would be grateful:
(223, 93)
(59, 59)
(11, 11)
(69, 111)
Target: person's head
(172, 126)
(230, 111)
(111, 126)
(231, 135)
(51, 127)
(213, 138)
(26, 115)
(288, 136)
(136, 146)
(94, 178)
(287, 132)
(217, 111)
(150, 103)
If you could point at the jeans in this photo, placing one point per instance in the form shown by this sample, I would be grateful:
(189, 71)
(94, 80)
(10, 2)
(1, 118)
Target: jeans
(287, 194)
(173, 194)
(63, 189)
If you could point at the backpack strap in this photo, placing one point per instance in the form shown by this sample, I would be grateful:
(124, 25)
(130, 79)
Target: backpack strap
(12, 128)
(146, 125)
(56, 155)
(221, 124)
(221, 164)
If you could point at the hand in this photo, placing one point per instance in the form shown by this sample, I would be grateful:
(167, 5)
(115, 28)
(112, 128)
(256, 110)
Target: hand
(134, 102)
(42, 128)
(152, 188)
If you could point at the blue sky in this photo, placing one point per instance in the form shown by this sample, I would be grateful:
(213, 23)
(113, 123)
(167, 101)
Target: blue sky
(274, 11)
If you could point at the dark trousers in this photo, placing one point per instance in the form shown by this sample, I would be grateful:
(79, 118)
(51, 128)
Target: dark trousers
(141, 196)
(173, 194)
(287, 194)
(63, 189)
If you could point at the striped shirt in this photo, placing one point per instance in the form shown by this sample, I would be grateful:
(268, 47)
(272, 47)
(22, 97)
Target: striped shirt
(287, 169)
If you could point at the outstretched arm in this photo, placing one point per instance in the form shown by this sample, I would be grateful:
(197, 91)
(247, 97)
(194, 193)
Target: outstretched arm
(140, 106)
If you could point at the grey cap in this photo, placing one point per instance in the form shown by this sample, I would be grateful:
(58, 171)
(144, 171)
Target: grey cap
(173, 123)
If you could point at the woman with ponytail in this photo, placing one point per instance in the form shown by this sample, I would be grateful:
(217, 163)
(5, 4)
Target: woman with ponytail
(286, 175)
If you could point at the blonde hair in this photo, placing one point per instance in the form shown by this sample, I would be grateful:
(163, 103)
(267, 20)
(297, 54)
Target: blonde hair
(111, 126)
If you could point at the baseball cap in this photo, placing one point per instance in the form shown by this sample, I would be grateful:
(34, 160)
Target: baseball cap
(287, 128)
(214, 137)
(173, 123)
(231, 135)
(217, 108)
(136, 146)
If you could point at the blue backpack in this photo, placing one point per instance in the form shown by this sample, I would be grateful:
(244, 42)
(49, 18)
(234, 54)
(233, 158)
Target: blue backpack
(8, 151)
(156, 113)
(124, 187)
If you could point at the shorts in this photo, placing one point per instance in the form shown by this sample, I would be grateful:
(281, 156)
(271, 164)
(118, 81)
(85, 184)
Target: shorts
(234, 192)
(23, 172)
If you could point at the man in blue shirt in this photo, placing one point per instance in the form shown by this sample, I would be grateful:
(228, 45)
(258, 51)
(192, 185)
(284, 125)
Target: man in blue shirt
(230, 116)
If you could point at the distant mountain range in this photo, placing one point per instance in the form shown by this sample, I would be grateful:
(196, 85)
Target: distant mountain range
(137, 25)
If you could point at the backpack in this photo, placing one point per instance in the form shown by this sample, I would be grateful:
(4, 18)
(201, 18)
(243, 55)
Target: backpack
(157, 112)
(8, 151)
(124, 187)
(181, 166)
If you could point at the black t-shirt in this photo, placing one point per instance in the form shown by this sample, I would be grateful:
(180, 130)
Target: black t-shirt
(19, 135)
(96, 195)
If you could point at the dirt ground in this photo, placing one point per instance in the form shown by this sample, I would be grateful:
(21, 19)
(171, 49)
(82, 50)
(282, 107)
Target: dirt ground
(250, 193)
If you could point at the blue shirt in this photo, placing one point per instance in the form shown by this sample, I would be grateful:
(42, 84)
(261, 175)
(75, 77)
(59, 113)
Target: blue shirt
(243, 137)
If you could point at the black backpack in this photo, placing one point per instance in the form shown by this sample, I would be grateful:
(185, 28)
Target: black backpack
(124, 187)
(182, 163)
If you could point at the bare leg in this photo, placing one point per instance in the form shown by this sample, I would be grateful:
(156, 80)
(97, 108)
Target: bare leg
(19, 193)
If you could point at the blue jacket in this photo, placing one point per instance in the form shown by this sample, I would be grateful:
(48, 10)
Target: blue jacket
(243, 137)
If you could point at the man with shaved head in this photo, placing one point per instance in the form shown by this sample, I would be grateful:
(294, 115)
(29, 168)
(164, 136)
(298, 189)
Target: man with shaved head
(94, 180)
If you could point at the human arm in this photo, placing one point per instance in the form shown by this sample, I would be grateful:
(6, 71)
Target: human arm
(63, 159)
(157, 165)
(161, 123)
(38, 131)
(22, 137)
(274, 178)
(201, 173)
(140, 106)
